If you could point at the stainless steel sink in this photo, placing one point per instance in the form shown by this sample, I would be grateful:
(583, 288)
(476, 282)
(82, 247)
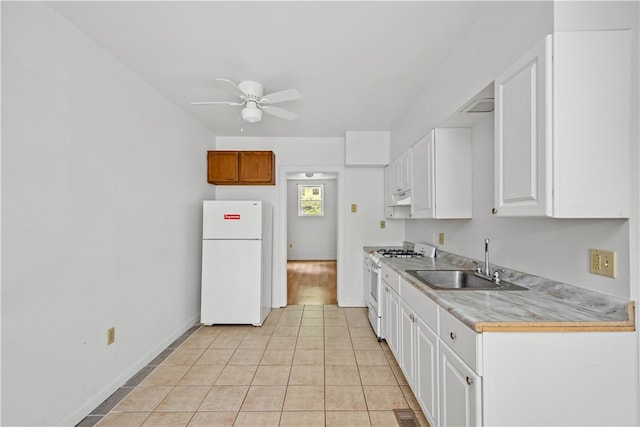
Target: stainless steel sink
(460, 280)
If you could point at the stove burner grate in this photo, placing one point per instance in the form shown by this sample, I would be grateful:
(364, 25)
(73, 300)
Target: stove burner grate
(399, 253)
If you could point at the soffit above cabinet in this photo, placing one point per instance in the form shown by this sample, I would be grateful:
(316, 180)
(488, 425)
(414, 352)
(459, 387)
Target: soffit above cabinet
(367, 148)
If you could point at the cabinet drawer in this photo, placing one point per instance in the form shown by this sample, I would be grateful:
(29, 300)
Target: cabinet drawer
(391, 277)
(424, 307)
(465, 342)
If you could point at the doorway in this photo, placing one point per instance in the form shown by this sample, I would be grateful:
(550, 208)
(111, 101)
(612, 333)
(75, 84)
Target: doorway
(311, 282)
(312, 231)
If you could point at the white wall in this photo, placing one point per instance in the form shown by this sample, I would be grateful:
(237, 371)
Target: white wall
(557, 249)
(554, 248)
(500, 35)
(102, 182)
(312, 238)
(362, 186)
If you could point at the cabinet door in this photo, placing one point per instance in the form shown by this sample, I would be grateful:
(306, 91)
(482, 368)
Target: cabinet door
(366, 277)
(407, 342)
(426, 371)
(396, 176)
(222, 167)
(257, 167)
(422, 192)
(405, 171)
(393, 322)
(460, 391)
(523, 135)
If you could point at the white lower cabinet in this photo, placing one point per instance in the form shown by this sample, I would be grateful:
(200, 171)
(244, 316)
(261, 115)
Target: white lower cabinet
(422, 343)
(426, 386)
(464, 378)
(390, 318)
(407, 343)
(418, 342)
(447, 388)
(460, 391)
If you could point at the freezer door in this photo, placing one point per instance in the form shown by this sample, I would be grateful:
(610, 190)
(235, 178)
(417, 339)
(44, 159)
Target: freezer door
(232, 219)
(231, 282)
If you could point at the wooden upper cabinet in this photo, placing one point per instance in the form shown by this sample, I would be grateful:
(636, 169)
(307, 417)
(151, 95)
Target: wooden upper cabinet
(222, 167)
(241, 167)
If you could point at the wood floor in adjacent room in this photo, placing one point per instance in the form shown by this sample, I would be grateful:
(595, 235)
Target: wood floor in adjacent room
(311, 282)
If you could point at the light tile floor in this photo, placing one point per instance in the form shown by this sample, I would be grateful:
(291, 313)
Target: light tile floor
(308, 365)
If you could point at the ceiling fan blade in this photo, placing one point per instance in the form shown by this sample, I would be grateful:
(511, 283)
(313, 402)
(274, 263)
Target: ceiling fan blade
(279, 112)
(282, 96)
(216, 102)
(233, 88)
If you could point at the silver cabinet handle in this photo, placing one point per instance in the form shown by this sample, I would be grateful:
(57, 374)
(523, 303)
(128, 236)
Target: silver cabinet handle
(452, 335)
(469, 380)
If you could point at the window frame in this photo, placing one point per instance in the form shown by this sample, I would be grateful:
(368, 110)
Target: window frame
(301, 211)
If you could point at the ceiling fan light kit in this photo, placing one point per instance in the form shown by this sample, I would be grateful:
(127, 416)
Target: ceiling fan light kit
(255, 102)
(251, 113)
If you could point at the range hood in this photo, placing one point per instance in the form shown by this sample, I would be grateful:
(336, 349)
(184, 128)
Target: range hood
(479, 105)
(402, 198)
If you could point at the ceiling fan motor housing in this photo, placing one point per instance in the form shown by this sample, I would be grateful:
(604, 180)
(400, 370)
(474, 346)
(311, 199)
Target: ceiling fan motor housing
(254, 90)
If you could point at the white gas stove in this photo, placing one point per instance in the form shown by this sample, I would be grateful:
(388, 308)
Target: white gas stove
(373, 300)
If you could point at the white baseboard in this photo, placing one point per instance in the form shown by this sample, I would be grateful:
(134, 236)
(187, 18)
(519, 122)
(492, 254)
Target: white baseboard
(93, 402)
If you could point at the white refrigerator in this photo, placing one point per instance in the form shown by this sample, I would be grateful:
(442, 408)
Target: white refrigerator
(236, 262)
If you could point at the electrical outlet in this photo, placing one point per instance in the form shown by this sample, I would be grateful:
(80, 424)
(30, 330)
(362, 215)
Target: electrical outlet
(354, 207)
(602, 262)
(290, 245)
(382, 224)
(111, 335)
(441, 238)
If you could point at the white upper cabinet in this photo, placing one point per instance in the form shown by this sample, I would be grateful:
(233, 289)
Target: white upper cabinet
(562, 128)
(397, 179)
(401, 173)
(442, 174)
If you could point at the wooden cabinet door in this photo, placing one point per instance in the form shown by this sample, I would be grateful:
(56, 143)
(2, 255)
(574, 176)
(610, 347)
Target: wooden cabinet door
(257, 167)
(241, 167)
(222, 167)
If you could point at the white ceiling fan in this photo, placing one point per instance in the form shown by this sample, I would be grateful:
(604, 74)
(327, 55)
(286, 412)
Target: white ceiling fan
(255, 102)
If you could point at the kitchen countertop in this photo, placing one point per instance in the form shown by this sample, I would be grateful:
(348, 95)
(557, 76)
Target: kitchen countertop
(547, 305)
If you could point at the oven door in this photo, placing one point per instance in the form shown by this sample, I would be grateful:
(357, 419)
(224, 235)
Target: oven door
(374, 300)
(374, 285)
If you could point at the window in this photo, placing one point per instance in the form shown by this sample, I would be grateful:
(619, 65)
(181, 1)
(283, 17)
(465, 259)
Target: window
(310, 200)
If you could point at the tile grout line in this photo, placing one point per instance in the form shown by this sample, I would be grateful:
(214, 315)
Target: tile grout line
(350, 322)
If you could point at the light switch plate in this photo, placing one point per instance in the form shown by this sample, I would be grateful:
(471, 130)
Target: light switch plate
(354, 208)
(602, 262)
(111, 335)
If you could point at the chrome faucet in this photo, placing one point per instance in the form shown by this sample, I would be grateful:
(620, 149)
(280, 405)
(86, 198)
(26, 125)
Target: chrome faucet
(485, 271)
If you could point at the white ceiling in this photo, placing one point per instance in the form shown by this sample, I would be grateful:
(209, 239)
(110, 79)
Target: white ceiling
(358, 65)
